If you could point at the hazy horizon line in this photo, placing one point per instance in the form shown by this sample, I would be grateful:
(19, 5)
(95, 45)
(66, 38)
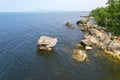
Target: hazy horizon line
(47, 11)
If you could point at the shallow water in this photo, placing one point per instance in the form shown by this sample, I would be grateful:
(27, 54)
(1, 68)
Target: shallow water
(20, 59)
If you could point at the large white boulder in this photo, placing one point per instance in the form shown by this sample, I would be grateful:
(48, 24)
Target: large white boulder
(46, 43)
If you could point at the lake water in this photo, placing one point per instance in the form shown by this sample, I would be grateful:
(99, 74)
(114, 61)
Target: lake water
(20, 59)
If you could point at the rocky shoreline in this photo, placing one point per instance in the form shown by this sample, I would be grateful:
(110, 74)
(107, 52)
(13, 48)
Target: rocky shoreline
(97, 35)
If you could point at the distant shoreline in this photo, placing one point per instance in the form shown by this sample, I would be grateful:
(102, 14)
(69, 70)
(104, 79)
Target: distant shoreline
(40, 11)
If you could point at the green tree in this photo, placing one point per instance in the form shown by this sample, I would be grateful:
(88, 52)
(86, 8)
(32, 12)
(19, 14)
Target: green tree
(109, 16)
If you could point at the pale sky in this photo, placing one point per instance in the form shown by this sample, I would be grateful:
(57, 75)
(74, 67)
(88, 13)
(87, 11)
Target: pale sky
(50, 5)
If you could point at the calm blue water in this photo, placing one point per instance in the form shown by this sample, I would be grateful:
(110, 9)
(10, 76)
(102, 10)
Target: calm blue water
(20, 59)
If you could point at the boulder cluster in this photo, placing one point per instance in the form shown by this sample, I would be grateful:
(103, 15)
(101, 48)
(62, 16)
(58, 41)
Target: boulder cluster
(96, 35)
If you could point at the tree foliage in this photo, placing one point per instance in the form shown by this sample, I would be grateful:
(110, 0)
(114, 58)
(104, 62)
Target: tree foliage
(109, 16)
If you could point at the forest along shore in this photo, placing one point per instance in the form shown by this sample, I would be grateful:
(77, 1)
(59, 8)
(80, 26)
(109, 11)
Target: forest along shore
(97, 35)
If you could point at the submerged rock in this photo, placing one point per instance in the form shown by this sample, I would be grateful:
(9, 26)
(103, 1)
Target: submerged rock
(46, 43)
(70, 25)
(79, 55)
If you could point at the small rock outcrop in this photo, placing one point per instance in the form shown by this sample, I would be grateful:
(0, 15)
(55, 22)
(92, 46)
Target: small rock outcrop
(82, 21)
(46, 43)
(70, 25)
(79, 55)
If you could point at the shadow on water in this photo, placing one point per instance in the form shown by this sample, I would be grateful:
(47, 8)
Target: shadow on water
(45, 53)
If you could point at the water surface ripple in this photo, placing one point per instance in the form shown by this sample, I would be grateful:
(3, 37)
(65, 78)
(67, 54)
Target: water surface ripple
(20, 59)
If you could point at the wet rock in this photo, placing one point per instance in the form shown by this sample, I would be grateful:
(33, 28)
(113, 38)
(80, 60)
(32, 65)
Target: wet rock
(86, 42)
(70, 25)
(46, 43)
(82, 21)
(79, 44)
(79, 55)
(79, 22)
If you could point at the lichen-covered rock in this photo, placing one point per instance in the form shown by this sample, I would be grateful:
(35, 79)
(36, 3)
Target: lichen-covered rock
(46, 43)
(79, 55)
